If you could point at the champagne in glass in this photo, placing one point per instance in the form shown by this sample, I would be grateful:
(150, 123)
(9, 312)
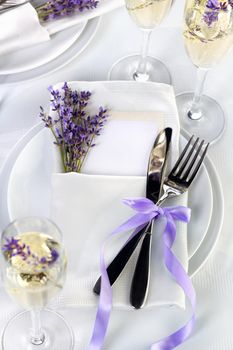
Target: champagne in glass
(207, 43)
(208, 37)
(32, 280)
(33, 270)
(147, 14)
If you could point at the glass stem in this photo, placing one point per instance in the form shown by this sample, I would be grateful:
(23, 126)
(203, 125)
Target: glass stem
(195, 112)
(141, 72)
(37, 335)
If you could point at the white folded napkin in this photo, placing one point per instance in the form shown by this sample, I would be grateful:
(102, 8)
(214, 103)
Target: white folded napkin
(88, 207)
(20, 28)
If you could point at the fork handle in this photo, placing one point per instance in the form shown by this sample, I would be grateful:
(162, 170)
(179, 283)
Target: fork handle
(141, 277)
(117, 265)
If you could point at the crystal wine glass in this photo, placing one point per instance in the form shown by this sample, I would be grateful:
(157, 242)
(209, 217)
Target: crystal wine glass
(147, 14)
(208, 36)
(33, 269)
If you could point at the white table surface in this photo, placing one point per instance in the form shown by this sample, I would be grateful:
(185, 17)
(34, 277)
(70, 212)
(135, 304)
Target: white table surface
(118, 36)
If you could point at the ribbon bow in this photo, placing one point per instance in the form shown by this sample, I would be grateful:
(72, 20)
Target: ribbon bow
(146, 211)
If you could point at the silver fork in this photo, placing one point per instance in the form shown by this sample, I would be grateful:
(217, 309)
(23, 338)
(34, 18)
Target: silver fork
(177, 182)
(185, 170)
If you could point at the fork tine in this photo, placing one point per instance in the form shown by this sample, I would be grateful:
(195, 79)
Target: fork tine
(187, 158)
(186, 174)
(182, 155)
(198, 164)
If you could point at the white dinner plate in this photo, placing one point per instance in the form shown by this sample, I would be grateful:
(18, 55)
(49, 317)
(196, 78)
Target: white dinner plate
(38, 55)
(27, 183)
(28, 193)
(84, 37)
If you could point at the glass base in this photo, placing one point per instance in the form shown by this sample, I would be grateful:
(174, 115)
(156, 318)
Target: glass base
(125, 69)
(57, 333)
(210, 126)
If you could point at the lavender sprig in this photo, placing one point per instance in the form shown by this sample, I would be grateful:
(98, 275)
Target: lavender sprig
(213, 8)
(54, 9)
(73, 128)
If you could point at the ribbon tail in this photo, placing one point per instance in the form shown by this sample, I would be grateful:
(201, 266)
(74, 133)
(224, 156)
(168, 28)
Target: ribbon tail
(105, 298)
(177, 271)
(104, 308)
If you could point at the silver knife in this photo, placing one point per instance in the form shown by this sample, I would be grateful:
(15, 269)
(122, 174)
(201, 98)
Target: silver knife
(155, 178)
(117, 265)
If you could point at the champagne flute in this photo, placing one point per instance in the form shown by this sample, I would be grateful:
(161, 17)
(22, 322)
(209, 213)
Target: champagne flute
(208, 36)
(147, 14)
(33, 269)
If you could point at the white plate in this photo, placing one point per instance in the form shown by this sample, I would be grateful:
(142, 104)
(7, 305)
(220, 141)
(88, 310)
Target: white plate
(29, 194)
(27, 183)
(74, 49)
(38, 55)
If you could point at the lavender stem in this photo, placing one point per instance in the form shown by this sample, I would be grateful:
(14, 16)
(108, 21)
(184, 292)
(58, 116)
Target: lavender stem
(61, 150)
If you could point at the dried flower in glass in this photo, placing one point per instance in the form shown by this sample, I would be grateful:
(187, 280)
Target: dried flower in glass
(33, 269)
(213, 8)
(15, 248)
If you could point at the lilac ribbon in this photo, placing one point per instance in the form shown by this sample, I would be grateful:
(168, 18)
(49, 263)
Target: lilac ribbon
(146, 211)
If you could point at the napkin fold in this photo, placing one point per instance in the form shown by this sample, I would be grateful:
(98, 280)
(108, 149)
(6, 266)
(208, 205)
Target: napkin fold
(20, 28)
(88, 207)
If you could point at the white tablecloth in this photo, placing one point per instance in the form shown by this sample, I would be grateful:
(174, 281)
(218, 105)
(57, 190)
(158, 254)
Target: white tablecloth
(214, 283)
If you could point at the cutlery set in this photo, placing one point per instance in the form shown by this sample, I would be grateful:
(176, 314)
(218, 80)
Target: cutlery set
(158, 189)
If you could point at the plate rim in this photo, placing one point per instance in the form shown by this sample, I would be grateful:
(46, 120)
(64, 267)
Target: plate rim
(218, 206)
(38, 65)
(191, 248)
(92, 26)
(196, 261)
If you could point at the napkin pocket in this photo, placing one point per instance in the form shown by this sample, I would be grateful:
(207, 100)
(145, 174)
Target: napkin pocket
(88, 208)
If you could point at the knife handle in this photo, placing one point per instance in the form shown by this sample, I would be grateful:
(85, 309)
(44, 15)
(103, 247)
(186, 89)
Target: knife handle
(117, 265)
(141, 277)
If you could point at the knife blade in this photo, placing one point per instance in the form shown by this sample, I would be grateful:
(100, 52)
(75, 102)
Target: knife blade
(155, 177)
(118, 263)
